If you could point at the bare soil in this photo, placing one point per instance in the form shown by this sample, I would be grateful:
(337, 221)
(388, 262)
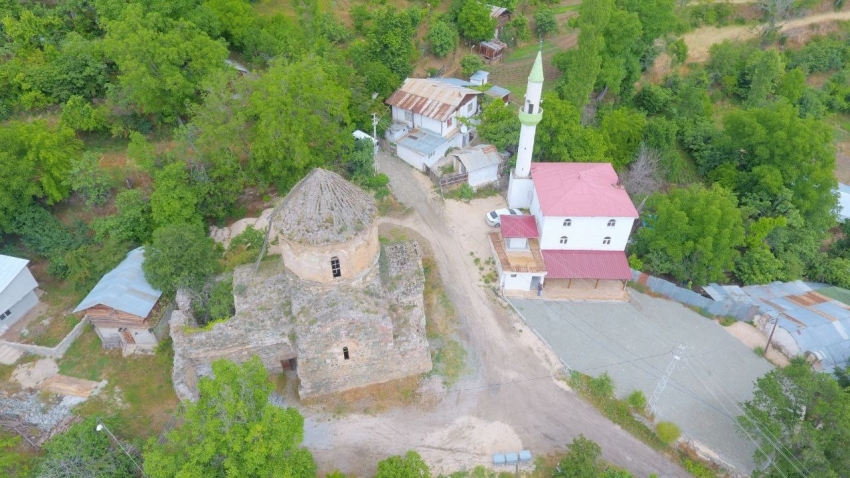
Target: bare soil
(508, 400)
(752, 338)
(700, 40)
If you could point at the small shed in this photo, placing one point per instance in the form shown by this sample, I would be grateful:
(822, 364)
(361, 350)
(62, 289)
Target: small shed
(497, 92)
(479, 78)
(502, 16)
(120, 307)
(492, 50)
(17, 290)
(480, 162)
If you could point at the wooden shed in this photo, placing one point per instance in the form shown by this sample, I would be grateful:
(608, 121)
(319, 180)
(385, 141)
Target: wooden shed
(120, 307)
(492, 50)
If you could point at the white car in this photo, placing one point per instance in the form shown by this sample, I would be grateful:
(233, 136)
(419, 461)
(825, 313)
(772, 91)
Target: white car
(493, 219)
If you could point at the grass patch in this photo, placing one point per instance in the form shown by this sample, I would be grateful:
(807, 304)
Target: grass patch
(599, 392)
(389, 206)
(447, 353)
(51, 332)
(565, 8)
(139, 395)
(529, 51)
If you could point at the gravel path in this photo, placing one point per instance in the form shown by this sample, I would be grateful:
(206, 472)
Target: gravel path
(508, 401)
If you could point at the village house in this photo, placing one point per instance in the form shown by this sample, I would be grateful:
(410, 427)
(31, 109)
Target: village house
(17, 291)
(120, 307)
(502, 16)
(579, 223)
(426, 119)
(338, 308)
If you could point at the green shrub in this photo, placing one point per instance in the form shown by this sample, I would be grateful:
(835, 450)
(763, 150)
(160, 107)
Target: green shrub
(466, 192)
(636, 400)
(601, 386)
(470, 64)
(668, 432)
(697, 469)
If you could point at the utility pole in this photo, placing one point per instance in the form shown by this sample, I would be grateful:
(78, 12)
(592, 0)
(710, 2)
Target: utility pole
(375, 141)
(678, 355)
(775, 320)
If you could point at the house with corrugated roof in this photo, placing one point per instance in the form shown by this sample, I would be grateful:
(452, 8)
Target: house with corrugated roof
(480, 163)
(800, 320)
(17, 291)
(120, 307)
(426, 119)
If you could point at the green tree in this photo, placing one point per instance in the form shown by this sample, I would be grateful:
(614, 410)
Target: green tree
(765, 77)
(623, 131)
(692, 234)
(657, 17)
(442, 37)
(469, 64)
(410, 465)
(162, 62)
(390, 40)
(34, 162)
(499, 126)
(620, 67)
(301, 121)
(544, 22)
(78, 114)
(474, 21)
(132, 223)
(233, 430)
(83, 451)
(566, 139)
(805, 414)
(89, 180)
(516, 31)
(180, 255)
(774, 150)
(583, 460)
(173, 200)
(581, 65)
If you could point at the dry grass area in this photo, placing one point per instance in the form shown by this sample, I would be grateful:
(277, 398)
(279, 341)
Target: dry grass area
(372, 399)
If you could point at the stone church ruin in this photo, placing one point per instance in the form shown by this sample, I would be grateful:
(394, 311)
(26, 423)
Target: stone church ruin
(338, 307)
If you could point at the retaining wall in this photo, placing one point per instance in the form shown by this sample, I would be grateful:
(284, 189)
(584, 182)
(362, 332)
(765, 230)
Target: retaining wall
(738, 311)
(54, 352)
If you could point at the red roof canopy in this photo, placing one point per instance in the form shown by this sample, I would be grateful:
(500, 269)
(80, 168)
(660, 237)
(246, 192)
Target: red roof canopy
(580, 190)
(519, 226)
(586, 265)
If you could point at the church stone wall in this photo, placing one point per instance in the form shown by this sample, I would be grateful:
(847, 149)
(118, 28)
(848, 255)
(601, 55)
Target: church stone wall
(313, 263)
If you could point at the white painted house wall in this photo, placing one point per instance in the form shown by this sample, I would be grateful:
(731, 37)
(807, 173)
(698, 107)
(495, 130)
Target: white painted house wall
(517, 243)
(443, 128)
(517, 280)
(583, 233)
(419, 160)
(18, 297)
(483, 176)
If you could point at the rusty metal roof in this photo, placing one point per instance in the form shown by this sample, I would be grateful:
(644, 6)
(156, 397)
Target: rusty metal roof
(431, 98)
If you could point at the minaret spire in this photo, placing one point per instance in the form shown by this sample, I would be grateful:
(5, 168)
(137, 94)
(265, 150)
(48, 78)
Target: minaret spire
(530, 115)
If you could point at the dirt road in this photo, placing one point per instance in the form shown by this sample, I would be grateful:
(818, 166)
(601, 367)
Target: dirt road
(509, 400)
(700, 40)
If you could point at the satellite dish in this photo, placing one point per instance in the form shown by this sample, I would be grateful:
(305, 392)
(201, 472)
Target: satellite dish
(463, 129)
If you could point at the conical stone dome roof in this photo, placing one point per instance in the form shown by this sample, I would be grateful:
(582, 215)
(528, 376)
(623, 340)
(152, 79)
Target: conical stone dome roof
(324, 208)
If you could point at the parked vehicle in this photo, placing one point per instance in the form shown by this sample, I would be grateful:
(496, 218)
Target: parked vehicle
(493, 219)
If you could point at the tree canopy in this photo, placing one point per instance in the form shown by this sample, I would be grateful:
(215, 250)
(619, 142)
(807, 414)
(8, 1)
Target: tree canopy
(800, 419)
(180, 255)
(691, 233)
(233, 430)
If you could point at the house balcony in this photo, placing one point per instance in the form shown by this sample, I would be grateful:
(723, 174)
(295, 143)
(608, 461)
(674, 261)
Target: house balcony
(517, 260)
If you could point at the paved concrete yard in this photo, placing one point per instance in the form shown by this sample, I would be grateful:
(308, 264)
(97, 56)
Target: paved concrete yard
(633, 341)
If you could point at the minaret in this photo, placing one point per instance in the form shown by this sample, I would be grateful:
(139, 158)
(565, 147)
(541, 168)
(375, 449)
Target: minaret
(520, 186)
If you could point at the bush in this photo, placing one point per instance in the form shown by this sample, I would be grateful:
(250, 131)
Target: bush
(636, 400)
(465, 192)
(668, 432)
(469, 64)
(89, 180)
(544, 22)
(678, 51)
(601, 386)
(214, 302)
(442, 37)
(181, 255)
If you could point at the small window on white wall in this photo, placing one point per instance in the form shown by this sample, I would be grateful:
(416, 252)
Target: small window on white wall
(469, 107)
(449, 122)
(607, 240)
(563, 239)
(568, 222)
(612, 223)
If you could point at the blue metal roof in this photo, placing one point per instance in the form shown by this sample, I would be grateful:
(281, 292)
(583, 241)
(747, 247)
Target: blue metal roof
(497, 92)
(820, 327)
(422, 141)
(454, 81)
(124, 288)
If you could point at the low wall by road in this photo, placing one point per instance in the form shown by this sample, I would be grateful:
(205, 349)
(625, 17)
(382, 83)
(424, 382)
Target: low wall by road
(738, 311)
(54, 352)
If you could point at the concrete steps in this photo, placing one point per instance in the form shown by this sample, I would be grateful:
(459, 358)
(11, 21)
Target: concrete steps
(9, 355)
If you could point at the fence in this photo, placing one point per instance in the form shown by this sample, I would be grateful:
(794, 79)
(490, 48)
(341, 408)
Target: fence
(736, 310)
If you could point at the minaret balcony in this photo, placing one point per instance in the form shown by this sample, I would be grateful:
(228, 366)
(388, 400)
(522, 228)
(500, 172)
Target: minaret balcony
(531, 119)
